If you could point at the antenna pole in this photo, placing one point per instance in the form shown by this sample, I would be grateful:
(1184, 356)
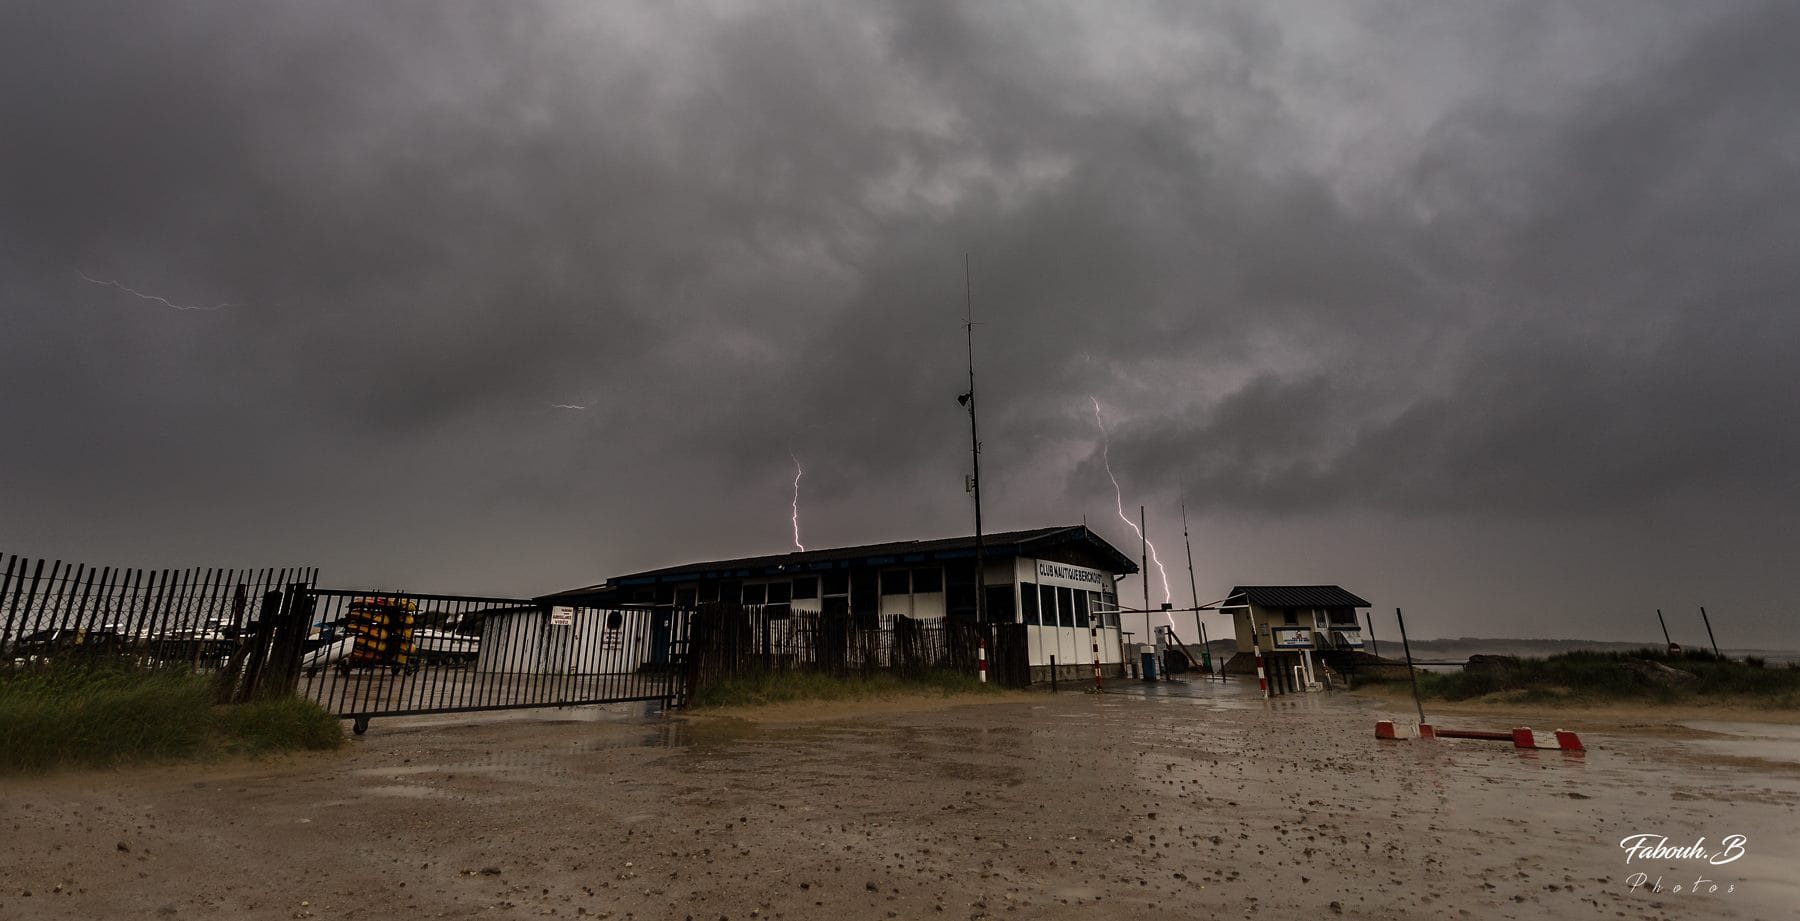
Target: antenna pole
(1410, 672)
(974, 446)
(1144, 572)
(1192, 589)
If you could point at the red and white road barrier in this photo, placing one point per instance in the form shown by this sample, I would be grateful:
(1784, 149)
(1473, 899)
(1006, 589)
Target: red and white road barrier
(1388, 729)
(1561, 740)
(1521, 737)
(981, 660)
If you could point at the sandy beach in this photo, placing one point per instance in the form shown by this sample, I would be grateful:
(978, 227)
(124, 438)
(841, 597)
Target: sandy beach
(1179, 799)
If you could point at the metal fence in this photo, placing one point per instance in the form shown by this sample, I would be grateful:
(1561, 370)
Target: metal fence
(363, 654)
(52, 612)
(728, 640)
(371, 654)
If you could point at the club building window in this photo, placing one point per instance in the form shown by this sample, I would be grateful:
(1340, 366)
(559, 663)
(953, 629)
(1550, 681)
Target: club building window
(959, 590)
(834, 593)
(1028, 603)
(865, 598)
(777, 606)
(806, 587)
(999, 601)
(895, 582)
(926, 581)
(756, 594)
(1109, 610)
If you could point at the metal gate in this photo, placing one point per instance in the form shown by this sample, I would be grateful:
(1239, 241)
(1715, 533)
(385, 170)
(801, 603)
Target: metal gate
(370, 654)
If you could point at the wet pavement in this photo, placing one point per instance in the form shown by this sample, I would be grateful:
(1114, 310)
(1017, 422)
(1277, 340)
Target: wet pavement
(1180, 798)
(1767, 741)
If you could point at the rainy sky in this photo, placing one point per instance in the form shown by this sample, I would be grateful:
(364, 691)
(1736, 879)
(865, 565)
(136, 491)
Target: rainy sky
(1484, 310)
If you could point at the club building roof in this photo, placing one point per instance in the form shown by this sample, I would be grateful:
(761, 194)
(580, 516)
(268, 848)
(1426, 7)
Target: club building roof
(1070, 544)
(1298, 596)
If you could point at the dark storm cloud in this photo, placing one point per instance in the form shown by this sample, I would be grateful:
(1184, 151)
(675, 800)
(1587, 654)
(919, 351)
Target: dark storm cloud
(1629, 259)
(1526, 261)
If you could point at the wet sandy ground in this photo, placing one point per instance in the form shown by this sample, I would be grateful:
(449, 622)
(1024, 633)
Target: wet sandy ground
(1178, 801)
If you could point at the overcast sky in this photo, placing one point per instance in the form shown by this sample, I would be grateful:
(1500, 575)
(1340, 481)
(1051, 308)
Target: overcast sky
(1482, 310)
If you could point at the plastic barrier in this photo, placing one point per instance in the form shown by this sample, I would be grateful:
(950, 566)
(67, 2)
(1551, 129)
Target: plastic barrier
(1521, 737)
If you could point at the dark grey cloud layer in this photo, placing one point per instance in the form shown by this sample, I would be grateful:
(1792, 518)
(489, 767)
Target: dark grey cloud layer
(1482, 310)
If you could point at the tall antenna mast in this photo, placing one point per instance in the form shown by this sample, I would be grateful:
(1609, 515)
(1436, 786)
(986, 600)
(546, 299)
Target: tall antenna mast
(974, 444)
(1192, 589)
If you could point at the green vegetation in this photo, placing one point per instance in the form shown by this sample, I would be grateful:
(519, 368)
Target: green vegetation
(1695, 677)
(780, 687)
(100, 717)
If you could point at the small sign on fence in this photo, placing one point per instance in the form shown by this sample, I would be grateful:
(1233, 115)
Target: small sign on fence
(561, 616)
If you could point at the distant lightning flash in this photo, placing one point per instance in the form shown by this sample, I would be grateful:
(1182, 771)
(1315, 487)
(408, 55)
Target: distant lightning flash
(151, 297)
(798, 473)
(1119, 499)
(565, 406)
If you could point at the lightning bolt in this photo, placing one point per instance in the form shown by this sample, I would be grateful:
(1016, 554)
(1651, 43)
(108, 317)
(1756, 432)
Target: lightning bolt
(798, 473)
(564, 406)
(151, 297)
(1119, 500)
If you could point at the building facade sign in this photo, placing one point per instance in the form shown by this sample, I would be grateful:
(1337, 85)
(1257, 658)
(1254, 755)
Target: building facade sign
(1292, 637)
(1093, 580)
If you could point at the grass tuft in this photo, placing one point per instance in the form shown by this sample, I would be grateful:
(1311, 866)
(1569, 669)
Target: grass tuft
(785, 687)
(283, 724)
(103, 717)
(1591, 676)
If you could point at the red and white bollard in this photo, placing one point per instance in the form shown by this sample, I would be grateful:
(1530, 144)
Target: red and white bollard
(981, 660)
(1262, 677)
(1094, 640)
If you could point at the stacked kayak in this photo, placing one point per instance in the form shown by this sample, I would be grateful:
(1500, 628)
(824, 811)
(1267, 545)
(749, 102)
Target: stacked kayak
(381, 629)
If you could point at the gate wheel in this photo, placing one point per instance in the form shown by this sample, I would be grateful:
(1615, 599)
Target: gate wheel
(360, 725)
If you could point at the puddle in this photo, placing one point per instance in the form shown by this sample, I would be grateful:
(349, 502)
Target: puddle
(590, 713)
(411, 769)
(404, 791)
(1235, 694)
(1763, 741)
